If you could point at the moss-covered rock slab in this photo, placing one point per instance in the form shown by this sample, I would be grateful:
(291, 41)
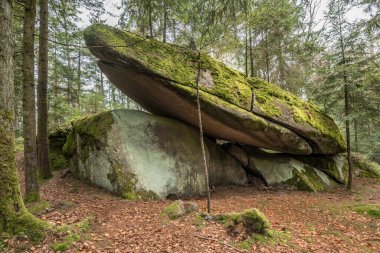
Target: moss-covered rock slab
(335, 166)
(283, 170)
(138, 155)
(161, 78)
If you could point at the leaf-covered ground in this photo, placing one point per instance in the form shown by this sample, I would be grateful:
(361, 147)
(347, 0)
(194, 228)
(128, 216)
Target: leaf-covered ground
(87, 219)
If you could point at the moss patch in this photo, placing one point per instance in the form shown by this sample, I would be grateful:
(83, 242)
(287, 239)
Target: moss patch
(307, 180)
(371, 210)
(38, 208)
(171, 62)
(71, 234)
(272, 237)
(275, 102)
(253, 220)
(178, 209)
(93, 127)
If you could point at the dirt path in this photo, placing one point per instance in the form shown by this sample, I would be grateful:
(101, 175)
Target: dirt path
(322, 222)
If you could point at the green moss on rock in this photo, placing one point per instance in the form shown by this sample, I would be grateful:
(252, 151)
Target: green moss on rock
(225, 86)
(92, 127)
(272, 101)
(306, 180)
(178, 209)
(172, 62)
(125, 184)
(253, 220)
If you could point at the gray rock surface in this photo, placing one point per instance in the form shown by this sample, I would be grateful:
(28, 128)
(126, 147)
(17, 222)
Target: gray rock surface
(141, 156)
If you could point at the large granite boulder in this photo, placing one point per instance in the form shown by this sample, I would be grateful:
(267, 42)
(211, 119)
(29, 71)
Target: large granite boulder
(141, 156)
(162, 79)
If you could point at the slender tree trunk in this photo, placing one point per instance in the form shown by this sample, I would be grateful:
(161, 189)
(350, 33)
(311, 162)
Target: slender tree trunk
(267, 56)
(174, 30)
(251, 53)
(102, 84)
(246, 52)
(42, 136)
(347, 113)
(356, 135)
(202, 138)
(69, 76)
(113, 95)
(29, 103)
(165, 23)
(79, 75)
(55, 88)
(150, 20)
(14, 217)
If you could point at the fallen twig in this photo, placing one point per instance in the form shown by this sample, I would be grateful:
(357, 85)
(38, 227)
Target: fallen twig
(225, 244)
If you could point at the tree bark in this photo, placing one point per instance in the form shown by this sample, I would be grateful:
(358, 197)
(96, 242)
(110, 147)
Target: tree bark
(14, 217)
(79, 75)
(346, 111)
(251, 53)
(165, 23)
(29, 103)
(42, 136)
(246, 52)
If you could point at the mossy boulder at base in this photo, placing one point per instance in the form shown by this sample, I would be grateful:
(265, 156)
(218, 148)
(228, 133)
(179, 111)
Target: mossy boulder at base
(138, 155)
(248, 222)
(178, 209)
(283, 170)
(335, 166)
(162, 78)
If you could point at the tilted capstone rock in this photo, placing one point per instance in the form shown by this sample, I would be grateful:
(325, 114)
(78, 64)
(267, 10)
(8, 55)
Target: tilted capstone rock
(162, 79)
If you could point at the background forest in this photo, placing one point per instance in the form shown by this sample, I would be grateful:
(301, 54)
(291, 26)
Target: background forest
(287, 42)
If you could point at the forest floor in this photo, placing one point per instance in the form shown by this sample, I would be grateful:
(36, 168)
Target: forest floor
(87, 219)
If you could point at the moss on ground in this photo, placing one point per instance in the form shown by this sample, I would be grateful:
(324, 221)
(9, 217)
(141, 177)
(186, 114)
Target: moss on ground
(371, 210)
(70, 234)
(38, 208)
(272, 237)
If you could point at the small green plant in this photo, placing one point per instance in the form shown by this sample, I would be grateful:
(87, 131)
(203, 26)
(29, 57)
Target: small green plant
(271, 237)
